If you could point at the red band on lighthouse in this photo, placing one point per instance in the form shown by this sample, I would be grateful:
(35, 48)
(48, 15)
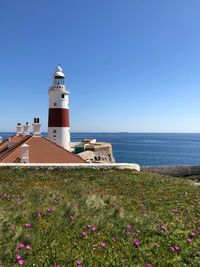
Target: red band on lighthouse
(58, 117)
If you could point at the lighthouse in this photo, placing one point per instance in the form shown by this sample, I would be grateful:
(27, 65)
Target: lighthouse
(58, 124)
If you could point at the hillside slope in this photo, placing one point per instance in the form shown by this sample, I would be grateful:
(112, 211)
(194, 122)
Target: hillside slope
(97, 218)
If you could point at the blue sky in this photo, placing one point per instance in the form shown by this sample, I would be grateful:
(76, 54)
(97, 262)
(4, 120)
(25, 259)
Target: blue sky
(131, 65)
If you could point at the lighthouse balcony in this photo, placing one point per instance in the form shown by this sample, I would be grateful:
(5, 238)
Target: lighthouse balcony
(58, 88)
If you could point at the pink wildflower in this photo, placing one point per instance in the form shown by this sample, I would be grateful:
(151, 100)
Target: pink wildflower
(18, 257)
(16, 250)
(164, 228)
(129, 226)
(103, 244)
(28, 247)
(198, 228)
(89, 226)
(174, 210)
(71, 218)
(129, 233)
(21, 245)
(21, 262)
(189, 240)
(28, 225)
(193, 234)
(177, 248)
(84, 233)
(148, 265)
(188, 225)
(50, 209)
(79, 264)
(172, 249)
(137, 230)
(136, 243)
(114, 239)
(94, 228)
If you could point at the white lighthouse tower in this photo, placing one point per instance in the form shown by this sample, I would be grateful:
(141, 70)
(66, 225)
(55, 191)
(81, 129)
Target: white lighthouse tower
(58, 125)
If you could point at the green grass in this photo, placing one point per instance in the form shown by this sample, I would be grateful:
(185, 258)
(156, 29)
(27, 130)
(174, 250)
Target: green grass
(108, 200)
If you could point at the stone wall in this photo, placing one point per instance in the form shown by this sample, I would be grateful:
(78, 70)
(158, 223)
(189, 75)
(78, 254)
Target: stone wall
(97, 166)
(166, 170)
(173, 170)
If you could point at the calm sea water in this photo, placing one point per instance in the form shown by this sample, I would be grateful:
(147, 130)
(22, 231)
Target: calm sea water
(148, 148)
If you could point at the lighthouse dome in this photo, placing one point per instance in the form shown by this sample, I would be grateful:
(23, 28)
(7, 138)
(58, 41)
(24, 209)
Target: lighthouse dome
(58, 72)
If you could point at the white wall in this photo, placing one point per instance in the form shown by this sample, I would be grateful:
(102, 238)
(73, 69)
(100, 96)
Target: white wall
(61, 137)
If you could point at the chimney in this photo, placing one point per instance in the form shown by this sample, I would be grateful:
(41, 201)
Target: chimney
(1, 139)
(19, 129)
(10, 144)
(25, 153)
(36, 127)
(26, 129)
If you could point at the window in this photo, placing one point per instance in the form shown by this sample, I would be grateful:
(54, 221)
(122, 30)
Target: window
(54, 131)
(55, 104)
(63, 95)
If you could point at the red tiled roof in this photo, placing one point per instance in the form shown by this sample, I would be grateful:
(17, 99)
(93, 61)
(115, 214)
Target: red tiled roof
(17, 160)
(41, 150)
(16, 141)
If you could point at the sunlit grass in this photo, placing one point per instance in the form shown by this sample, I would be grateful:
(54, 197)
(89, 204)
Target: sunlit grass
(97, 218)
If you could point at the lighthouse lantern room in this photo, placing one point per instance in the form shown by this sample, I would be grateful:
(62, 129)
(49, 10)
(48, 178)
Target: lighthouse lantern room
(58, 125)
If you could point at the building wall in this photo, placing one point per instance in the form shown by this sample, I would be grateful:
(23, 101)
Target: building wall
(60, 135)
(56, 97)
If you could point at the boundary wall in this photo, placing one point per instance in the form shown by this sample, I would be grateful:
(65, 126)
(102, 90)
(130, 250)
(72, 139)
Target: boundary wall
(176, 171)
(97, 166)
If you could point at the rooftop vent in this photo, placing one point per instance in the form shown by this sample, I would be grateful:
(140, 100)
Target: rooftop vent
(26, 129)
(19, 129)
(10, 143)
(36, 127)
(25, 153)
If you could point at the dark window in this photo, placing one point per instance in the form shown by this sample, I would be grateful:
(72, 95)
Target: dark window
(55, 104)
(63, 95)
(54, 131)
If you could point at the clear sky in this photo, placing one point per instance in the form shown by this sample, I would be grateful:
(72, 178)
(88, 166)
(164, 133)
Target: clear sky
(131, 65)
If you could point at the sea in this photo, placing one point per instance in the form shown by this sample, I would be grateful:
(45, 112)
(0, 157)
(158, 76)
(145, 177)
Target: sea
(147, 149)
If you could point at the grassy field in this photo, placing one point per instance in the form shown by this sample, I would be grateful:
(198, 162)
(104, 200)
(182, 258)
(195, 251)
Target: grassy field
(97, 218)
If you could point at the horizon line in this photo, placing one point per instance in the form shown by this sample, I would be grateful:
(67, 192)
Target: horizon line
(117, 132)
